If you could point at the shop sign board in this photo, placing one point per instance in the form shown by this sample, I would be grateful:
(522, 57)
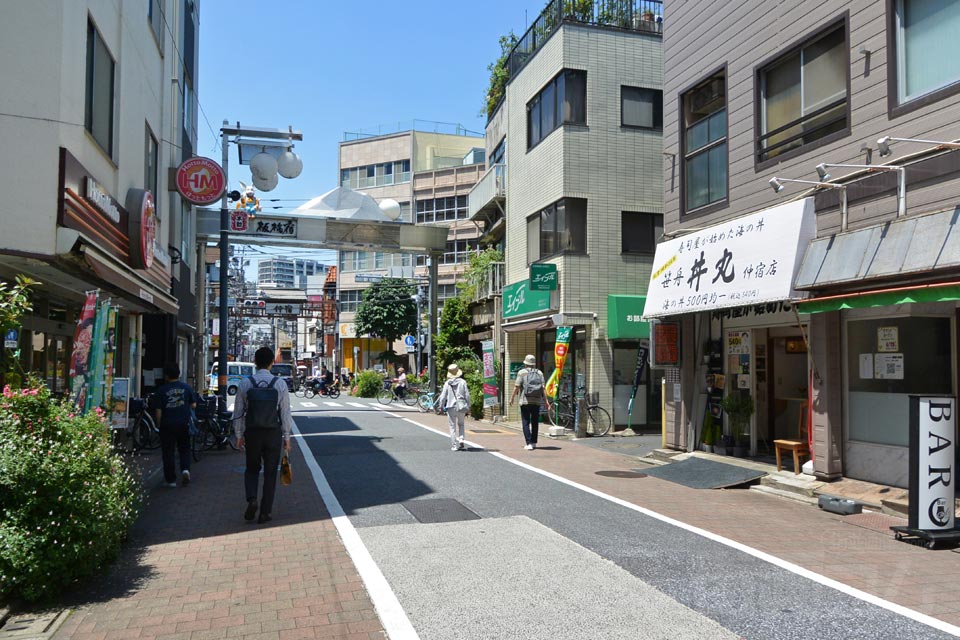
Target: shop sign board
(239, 221)
(120, 403)
(520, 300)
(666, 344)
(515, 368)
(200, 181)
(143, 228)
(543, 277)
(490, 390)
(274, 227)
(933, 430)
(746, 261)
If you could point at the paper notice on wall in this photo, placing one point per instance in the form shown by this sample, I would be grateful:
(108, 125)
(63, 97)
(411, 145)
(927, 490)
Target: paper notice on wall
(888, 339)
(676, 392)
(888, 366)
(866, 366)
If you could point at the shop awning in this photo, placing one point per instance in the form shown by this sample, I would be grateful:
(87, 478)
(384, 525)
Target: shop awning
(893, 249)
(623, 317)
(131, 287)
(532, 324)
(940, 292)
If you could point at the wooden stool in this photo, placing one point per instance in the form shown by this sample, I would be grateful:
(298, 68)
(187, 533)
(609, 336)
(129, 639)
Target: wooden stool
(798, 447)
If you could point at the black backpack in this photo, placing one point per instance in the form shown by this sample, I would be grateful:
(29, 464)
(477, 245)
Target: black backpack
(263, 406)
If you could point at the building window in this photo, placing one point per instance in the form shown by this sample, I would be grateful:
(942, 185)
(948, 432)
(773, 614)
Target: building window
(640, 232)
(704, 138)
(446, 209)
(378, 260)
(151, 163)
(498, 154)
(350, 300)
(641, 108)
(562, 101)
(559, 228)
(927, 47)
(155, 17)
(98, 118)
(803, 94)
(375, 175)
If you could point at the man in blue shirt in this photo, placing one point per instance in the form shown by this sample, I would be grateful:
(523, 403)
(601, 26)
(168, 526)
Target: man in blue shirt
(173, 406)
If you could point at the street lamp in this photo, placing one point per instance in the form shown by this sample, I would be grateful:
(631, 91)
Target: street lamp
(249, 136)
(901, 183)
(776, 184)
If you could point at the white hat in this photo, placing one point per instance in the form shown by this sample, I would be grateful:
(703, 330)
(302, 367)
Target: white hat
(453, 371)
(530, 361)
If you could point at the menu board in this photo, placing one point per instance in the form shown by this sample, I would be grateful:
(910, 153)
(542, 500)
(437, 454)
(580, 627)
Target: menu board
(666, 344)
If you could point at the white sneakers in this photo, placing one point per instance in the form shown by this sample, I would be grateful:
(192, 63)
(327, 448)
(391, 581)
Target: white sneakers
(185, 477)
(454, 448)
(529, 447)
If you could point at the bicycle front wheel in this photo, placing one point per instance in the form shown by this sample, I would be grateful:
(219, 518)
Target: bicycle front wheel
(410, 398)
(560, 415)
(300, 392)
(599, 421)
(425, 402)
(145, 434)
(385, 396)
(334, 392)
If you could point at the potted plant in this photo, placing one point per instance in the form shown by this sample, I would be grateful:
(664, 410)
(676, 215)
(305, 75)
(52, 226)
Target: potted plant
(709, 433)
(647, 16)
(739, 407)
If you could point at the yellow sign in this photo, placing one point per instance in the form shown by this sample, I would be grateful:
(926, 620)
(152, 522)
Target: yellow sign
(664, 267)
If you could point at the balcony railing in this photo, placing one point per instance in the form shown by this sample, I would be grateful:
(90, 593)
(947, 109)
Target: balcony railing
(491, 186)
(492, 285)
(633, 15)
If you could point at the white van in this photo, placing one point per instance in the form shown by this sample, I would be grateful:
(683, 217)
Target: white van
(236, 371)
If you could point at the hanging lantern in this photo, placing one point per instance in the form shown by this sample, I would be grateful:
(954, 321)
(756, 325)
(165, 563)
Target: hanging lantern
(266, 185)
(263, 166)
(289, 164)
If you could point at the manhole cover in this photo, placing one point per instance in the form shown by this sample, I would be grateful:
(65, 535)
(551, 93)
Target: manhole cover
(621, 474)
(32, 626)
(485, 431)
(438, 510)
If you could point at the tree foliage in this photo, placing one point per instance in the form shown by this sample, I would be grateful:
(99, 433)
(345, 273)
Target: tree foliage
(499, 75)
(476, 273)
(452, 342)
(388, 310)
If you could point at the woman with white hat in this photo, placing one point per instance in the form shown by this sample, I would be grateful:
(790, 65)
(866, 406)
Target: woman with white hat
(455, 399)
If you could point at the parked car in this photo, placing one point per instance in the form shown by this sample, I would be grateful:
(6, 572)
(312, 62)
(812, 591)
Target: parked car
(236, 371)
(286, 372)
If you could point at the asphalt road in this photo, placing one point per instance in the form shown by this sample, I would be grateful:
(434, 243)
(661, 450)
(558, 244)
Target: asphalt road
(527, 556)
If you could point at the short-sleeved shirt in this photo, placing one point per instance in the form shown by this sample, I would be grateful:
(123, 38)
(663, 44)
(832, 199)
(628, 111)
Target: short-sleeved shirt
(402, 380)
(521, 379)
(174, 400)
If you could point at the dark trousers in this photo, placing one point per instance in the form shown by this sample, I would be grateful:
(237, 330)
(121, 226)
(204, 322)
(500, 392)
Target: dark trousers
(262, 446)
(530, 416)
(174, 437)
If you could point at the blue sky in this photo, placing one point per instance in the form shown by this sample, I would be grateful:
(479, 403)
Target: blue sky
(329, 67)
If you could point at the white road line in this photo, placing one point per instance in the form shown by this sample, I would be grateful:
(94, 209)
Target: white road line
(357, 404)
(333, 404)
(385, 601)
(906, 612)
(308, 404)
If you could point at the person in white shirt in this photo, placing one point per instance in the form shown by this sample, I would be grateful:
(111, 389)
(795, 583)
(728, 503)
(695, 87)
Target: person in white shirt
(401, 381)
(262, 445)
(455, 400)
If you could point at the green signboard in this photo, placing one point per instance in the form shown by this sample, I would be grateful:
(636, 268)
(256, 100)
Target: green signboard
(624, 318)
(543, 277)
(519, 300)
(514, 370)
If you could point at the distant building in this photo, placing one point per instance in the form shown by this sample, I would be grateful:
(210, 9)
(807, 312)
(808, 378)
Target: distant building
(287, 273)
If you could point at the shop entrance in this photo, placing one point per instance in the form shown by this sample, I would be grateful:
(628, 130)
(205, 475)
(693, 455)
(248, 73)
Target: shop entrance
(787, 382)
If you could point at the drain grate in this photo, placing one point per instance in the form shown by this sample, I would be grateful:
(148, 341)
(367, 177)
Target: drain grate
(438, 510)
(32, 626)
(621, 474)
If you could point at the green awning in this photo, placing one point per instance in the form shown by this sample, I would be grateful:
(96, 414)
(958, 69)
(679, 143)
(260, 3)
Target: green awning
(623, 318)
(945, 292)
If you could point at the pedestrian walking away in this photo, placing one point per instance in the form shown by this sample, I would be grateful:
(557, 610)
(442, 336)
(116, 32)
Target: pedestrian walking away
(455, 399)
(529, 385)
(173, 405)
(263, 424)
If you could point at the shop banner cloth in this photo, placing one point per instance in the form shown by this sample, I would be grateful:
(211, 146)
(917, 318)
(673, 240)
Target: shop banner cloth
(95, 371)
(490, 391)
(80, 357)
(560, 350)
(642, 353)
(745, 261)
(109, 356)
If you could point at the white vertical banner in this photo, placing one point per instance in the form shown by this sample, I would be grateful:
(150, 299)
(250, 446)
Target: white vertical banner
(933, 429)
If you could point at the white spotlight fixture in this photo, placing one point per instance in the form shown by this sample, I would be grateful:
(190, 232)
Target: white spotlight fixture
(777, 185)
(901, 182)
(885, 142)
(390, 208)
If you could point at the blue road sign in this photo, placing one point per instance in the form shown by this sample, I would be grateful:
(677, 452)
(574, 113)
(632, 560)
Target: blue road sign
(410, 341)
(11, 339)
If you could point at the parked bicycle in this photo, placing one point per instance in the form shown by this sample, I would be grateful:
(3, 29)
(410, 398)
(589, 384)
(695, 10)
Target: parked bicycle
(214, 426)
(144, 430)
(429, 401)
(562, 414)
(389, 394)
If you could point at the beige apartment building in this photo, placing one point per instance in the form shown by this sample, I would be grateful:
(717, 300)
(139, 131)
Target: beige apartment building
(430, 175)
(860, 312)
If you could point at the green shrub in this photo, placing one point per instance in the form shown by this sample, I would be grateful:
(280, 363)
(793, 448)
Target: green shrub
(473, 374)
(67, 501)
(367, 384)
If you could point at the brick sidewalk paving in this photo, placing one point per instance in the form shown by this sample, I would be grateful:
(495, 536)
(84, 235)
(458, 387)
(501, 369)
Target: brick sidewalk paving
(196, 570)
(869, 560)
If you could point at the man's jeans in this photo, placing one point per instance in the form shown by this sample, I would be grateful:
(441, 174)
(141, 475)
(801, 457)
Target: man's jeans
(174, 437)
(530, 416)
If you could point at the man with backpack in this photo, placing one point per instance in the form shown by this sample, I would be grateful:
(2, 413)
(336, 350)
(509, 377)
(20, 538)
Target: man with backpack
(530, 382)
(263, 424)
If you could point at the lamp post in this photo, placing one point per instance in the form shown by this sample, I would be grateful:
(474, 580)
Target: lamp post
(248, 136)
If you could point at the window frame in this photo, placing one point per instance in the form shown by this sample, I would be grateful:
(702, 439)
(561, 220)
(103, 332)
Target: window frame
(151, 157)
(90, 104)
(759, 70)
(652, 218)
(657, 115)
(895, 108)
(681, 145)
(535, 105)
(155, 21)
(555, 234)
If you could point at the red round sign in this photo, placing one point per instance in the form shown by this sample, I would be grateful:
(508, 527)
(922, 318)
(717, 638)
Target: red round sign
(200, 181)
